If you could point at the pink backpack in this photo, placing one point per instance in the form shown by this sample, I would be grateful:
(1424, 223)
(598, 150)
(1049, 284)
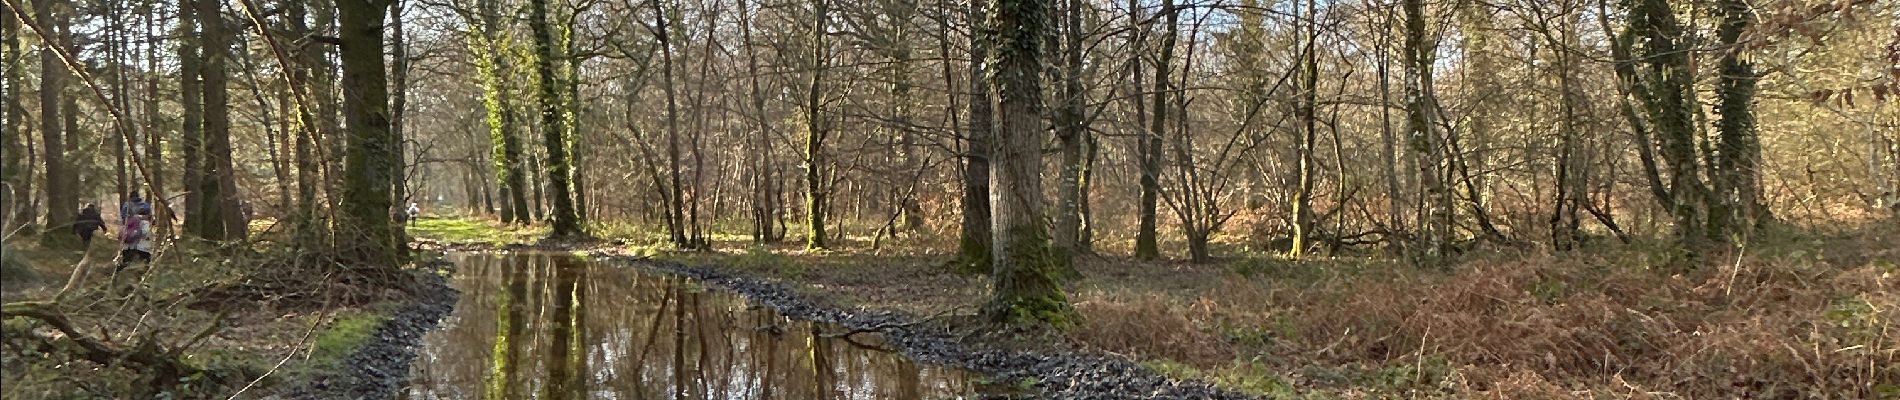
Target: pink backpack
(133, 232)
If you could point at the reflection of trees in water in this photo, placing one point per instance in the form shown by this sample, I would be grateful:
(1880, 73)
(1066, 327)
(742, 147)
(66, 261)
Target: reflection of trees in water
(556, 327)
(565, 311)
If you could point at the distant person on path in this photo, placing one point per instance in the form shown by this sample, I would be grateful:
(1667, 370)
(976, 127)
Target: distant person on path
(87, 222)
(413, 213)
(136, 239)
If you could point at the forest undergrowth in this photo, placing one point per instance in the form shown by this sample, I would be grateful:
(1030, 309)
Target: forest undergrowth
(1799, 316)
(196, 323)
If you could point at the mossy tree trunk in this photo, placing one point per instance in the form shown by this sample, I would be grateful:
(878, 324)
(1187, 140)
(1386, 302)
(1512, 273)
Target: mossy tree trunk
(565, 221)
(364, 232)
(1025, 288)
(490, 43)
(1667, 98)
(816, 196)
(1739, 152)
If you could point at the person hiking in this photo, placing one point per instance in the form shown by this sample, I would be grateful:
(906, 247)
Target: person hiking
(88, 222)
(414, 212)
(132, 205)
(136, 239)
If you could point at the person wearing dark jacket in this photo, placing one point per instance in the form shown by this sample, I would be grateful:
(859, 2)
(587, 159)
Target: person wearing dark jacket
(88, 222)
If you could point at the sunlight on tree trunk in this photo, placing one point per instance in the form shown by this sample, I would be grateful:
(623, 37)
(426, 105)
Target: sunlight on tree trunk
(1025, 288)
(565, 222)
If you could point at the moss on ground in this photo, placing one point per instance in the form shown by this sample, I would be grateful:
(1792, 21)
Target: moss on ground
(344, 336)
(464, 230)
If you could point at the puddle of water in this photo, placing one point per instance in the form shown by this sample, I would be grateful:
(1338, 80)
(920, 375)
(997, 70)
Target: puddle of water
(553, 326)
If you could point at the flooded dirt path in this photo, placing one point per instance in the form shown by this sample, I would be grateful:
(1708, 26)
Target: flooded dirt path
(551, 325)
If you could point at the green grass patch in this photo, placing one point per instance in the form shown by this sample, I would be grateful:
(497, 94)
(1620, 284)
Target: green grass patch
(473, 231)
(328, 350)
(344, 336)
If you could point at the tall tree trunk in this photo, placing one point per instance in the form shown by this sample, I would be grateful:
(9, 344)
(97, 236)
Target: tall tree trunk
(1740, 147)
(1025, 288)
(1308, 88)
(676, 216)
(1630, 89)
(274, 126)
(331, 138)
(1071, 133)
(307, 227)
(1572, 188)
(115, 43)
(1435, 223)
(60, 199)
(75, 161)
(973, 245)
(815, 130)
(571, 112)
(398, 100)
(910, 213)
(217, 187)
(1147, 244)
(1388, 149)
(537, 189)
(1085, 239)
(366, 235)
(1137, 36)
(154, 161)
(764, 206)
(696, 236)
(492, 62)
(1667, 100)
(14, 170)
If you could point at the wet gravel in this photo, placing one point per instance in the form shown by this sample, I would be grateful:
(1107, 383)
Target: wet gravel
(1056, 375)
(380, 368)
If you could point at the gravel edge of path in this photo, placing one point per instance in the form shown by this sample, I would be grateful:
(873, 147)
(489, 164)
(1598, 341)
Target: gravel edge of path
(379, 369)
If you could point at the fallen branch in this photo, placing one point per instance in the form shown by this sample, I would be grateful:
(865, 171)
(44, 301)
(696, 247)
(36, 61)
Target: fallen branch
(163, 366)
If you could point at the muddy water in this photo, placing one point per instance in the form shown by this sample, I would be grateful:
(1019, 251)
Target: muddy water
(553, 326)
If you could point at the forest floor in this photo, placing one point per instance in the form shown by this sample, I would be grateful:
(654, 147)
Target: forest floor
(1798, 314)
(220, 314)
(1794, 315)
